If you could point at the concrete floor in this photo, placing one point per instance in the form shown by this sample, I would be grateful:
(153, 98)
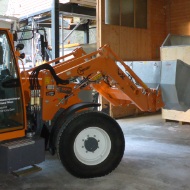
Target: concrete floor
(157, 157)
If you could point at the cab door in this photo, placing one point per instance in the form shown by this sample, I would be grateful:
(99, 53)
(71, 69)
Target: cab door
(11, 99)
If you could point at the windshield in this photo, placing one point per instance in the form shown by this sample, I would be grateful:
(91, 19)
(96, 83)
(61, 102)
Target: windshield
(11, 108)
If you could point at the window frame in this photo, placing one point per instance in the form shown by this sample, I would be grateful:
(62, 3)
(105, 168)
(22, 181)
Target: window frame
(111, 12)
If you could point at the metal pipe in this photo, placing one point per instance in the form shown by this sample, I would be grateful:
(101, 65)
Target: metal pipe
(62, 34)
(73, 30)
(55, 28)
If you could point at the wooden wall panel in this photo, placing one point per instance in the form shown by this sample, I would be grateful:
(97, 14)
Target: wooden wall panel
(178, 18)
(157, 26)
(133, 43)
(111, 36)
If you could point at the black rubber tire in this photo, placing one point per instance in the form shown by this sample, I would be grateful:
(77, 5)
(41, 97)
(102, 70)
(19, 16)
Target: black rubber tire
(69, 132)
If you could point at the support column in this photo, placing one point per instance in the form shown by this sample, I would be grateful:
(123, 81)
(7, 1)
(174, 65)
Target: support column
(86, 33)
(55, 28)
(62, 34)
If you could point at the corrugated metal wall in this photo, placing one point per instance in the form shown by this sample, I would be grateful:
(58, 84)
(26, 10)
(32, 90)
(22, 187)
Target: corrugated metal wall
(28, 6)
(20, 8)
(3, 6)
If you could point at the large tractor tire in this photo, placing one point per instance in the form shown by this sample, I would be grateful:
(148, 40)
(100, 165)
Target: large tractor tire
(90, 144)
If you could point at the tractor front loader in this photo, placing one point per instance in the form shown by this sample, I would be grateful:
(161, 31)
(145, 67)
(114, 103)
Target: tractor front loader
(46, 108)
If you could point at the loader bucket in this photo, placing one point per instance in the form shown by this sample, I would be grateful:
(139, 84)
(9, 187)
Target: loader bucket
(175, 73)
(172, 77)
(175, 80)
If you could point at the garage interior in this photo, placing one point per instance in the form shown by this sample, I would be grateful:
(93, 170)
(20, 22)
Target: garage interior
(148, 35)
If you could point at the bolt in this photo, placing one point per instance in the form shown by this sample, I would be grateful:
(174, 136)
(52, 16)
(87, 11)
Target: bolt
(94, 135)
(86, 151)
(82, 139)
(82, 146)
(98, 140)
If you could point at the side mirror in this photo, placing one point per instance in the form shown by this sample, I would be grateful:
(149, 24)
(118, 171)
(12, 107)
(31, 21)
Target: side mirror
(19, 47)
(15, 36)
(22, 55)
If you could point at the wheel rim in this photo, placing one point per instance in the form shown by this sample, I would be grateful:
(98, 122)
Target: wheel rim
(92, 146)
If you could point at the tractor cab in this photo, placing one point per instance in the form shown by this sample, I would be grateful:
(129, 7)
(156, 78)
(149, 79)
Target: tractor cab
(11, 101)
(16, 150)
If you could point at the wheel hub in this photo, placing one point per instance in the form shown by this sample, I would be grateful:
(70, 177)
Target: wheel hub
(91, 144)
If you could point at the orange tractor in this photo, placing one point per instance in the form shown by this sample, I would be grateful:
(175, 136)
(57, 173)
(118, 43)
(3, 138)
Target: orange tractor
(45, 108)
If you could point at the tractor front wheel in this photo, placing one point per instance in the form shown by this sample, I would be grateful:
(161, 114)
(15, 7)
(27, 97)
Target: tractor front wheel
(90, 144)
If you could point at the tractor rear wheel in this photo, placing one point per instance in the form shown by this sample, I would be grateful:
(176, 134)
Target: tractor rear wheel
(90, 144)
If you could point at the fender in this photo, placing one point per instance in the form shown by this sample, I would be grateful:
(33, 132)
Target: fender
(63, 116)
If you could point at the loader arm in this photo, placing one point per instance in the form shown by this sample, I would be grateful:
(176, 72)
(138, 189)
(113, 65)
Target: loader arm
(104, 75)
(98, 70)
